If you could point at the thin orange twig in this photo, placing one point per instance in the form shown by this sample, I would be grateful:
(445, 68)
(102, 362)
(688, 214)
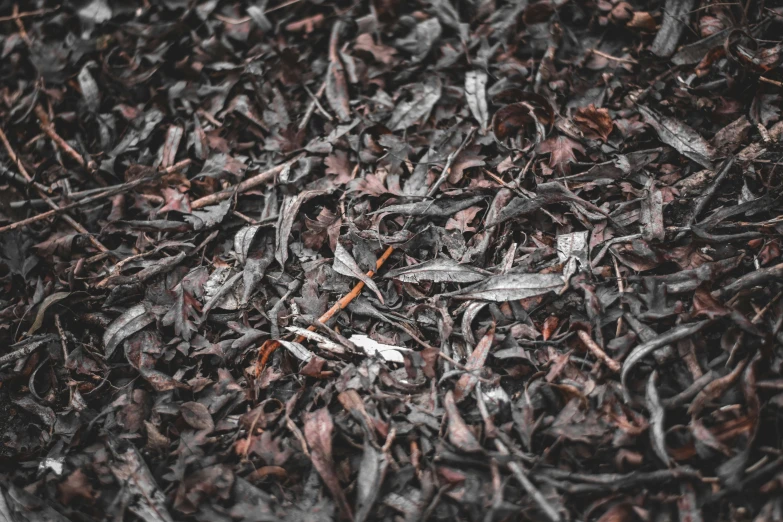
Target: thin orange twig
(268, 348)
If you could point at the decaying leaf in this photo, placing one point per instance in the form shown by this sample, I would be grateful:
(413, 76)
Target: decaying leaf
(512, 286)
(440, 270)
(423, 97)
(476, 93)
(683, 138)
(345, 264)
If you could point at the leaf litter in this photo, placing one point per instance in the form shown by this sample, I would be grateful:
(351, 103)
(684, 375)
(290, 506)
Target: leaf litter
(444, 260)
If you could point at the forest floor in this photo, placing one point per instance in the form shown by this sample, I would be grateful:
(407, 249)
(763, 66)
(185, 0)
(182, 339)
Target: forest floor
(445, 260)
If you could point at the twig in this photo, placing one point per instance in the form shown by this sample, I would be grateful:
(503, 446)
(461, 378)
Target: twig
(258, 179)
(598, 352)
(113, 191)
(318, 104)
(48, 127)
(613, 58)
(311, 108)
(68, 219)
(281, 6)
(532, 490)
(28, 14)
(770, 81)
(20, 25)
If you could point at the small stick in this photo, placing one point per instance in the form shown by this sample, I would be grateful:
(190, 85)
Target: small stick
(258, 179)
(28, 14)
(613, 58)
(48, 127)
(311, 108)
(318, 104)
(68, 219)
(532, 490)
(598, 352)
(20, 25)
(113, 191)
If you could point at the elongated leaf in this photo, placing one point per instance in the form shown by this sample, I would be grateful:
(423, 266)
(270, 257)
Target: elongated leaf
(475, 362)
(476, 94)
(297, 350)
(441, 270)
(345, 264)
(208, 216)
(509, 287)
(429, 208)
(131, 321)
(49, 301)
(288, 212)
(424, 96)
(683, 138)
(243, 241)
(641, 351)
(459, 433)
(318, 428)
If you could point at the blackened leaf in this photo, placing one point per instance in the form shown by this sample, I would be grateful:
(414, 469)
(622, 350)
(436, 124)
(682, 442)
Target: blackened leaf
(651, 216)
(49, 301)
(45, 413)
(297, 350)
(675, 21)
(243, 241)
(509, 287)
(147, 500)
(641, 351)
(440, 270)
(372, 471)
(683, 138)
(657, 418)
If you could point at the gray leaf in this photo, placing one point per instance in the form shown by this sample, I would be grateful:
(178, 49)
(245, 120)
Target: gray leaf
(476, 93)
(424, 96)
(243, 240)
(641, 351)
(208, 216)
(131, 321)
(90, 92)
(441, 270)
(288, 212)
(345, 264)
(443, 208)
(510, 287)
(676, 134)
(297, 350)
